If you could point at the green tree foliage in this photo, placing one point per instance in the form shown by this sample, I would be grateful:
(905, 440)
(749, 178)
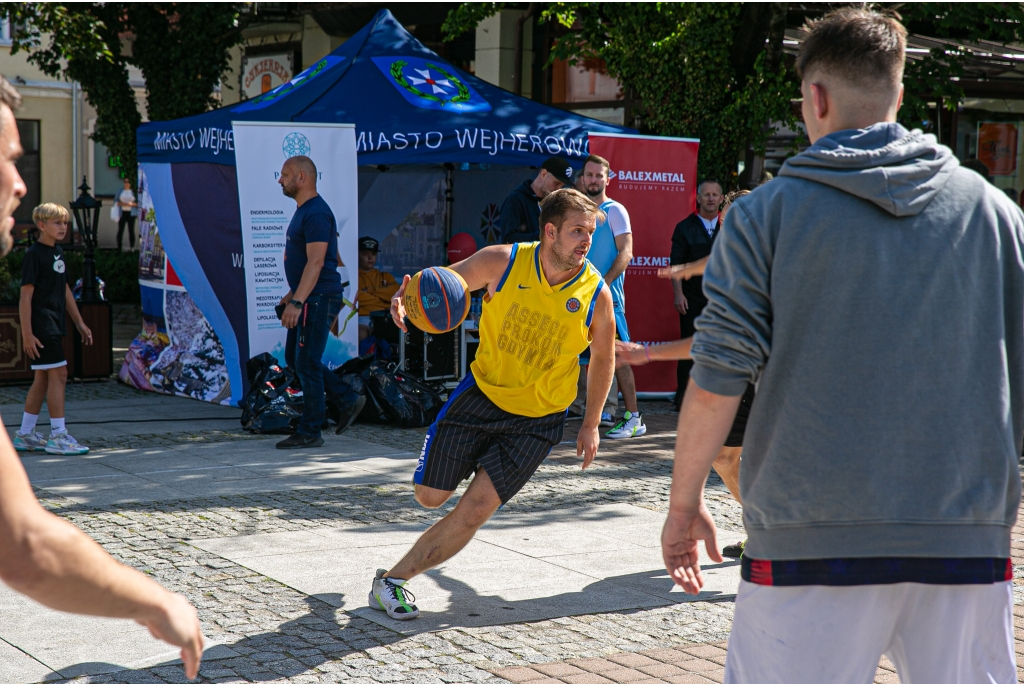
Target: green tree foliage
(181, 48)
(714, 70)
(960, 27)
(705, 70)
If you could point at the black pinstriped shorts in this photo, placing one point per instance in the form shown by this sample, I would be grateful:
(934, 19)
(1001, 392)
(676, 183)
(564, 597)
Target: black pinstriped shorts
(739, 424)
(472, 432)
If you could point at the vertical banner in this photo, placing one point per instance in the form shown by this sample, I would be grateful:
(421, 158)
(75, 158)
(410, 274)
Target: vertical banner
(261, 148)
(656, 180)
(997, 147)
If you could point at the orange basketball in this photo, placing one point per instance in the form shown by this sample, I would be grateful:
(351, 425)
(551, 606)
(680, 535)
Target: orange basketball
(436, 300)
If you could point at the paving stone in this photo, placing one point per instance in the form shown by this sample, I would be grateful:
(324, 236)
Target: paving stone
(625, 675)
(662, 671)
(558, 670)
(687, 678)
(668, 656)
(632, 660)
(518, 674)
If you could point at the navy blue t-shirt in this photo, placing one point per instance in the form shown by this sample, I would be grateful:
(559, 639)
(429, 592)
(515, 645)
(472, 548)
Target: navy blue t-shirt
(313, 222)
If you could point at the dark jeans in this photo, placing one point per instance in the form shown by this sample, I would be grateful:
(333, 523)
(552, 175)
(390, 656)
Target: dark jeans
(686, 329)
(126, 218)
(303, 352)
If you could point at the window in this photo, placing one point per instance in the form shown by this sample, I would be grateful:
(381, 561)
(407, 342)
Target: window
(29, 168)
(107, 173)
(5, 32)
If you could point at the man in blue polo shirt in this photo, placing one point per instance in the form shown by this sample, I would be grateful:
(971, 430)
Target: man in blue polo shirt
(314, 298)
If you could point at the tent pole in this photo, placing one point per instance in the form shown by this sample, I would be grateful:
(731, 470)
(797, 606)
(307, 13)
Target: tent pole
(449, 201)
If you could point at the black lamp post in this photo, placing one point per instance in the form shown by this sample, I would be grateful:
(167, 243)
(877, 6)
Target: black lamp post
(87, 218)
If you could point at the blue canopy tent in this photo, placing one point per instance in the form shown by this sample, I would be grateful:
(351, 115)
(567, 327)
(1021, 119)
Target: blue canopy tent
(410, 108)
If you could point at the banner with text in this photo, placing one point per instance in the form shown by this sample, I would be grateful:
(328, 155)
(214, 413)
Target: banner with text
(260, 150)
(656, 180)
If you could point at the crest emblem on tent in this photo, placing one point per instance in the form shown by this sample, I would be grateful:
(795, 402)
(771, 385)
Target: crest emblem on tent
(430, 84)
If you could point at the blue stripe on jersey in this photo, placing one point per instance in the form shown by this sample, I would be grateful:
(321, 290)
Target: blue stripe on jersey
(467, 383)
(508, 269)
(586, 265)
(877, 571)
(536, 263)
(593, 301)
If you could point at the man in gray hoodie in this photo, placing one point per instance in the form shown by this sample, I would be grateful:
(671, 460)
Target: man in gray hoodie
(875, 293)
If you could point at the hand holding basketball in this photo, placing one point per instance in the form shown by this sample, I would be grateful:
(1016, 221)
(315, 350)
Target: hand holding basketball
(435, 300)
(397, 308)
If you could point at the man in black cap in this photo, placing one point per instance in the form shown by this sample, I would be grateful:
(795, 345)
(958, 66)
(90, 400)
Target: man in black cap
(376, 287)
(520, 211)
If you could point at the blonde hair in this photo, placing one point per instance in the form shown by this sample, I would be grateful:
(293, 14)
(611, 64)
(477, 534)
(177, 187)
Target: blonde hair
(50, 210)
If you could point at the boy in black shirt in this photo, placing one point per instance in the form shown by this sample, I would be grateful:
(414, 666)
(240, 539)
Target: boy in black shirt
(44, 297)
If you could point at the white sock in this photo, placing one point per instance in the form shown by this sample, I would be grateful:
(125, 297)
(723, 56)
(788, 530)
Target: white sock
(56, 425)
(28, 423)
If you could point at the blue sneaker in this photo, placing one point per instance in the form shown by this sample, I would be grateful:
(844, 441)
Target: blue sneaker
(607, 419)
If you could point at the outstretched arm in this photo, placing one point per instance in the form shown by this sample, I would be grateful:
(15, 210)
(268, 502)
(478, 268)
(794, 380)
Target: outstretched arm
(483, 269)
(58, 565)
(684, 272)
(636, 354)
(599, 375)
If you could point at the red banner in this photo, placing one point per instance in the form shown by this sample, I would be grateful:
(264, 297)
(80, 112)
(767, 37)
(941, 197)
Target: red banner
(997, 147)
(656, 179)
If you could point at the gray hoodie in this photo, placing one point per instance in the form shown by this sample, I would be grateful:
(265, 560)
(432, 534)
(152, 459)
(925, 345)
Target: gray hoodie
(875, 292)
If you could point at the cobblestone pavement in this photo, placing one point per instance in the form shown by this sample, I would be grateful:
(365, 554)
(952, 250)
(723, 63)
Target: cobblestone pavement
(270, 632)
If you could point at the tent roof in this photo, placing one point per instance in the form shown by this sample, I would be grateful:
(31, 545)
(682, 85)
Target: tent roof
(408, 105)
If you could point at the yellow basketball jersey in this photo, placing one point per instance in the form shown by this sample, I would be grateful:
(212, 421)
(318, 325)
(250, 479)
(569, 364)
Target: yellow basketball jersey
(531, 336)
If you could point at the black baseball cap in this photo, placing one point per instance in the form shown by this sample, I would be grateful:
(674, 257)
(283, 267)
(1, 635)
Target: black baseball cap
(369, 244)
(559, 168)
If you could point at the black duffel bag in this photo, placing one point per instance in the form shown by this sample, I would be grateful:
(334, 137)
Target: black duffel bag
(392, 398)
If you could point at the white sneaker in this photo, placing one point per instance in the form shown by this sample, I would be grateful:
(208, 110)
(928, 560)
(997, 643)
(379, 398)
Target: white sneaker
(390, 595)
(60, 442)
(607, 419)
(29, 442)
(631, 426)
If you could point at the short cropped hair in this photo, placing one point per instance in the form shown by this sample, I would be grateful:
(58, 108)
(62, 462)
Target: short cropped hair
(858, 45)
(303, 164)
(9, 95)
(50, 210)
(708, 180)
(557, 206)
(594, 159)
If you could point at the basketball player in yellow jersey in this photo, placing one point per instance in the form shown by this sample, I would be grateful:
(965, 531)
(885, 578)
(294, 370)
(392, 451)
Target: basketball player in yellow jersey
(544, 305)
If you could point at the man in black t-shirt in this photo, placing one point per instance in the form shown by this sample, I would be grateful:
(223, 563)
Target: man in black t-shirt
(45, 296)
(314, 299)
(691, 241)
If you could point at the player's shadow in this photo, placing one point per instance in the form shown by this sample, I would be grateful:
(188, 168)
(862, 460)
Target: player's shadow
(469, 608)
(298, 646)
(326, 633)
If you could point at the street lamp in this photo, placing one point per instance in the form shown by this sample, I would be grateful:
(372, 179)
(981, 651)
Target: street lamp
(87, 218)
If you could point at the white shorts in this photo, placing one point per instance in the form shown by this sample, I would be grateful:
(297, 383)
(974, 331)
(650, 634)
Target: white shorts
(824, 634)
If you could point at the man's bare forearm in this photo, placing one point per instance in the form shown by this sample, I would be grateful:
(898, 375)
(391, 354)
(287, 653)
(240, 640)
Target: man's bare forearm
(670, 351)
(599, 382)
(704, 422)
(58, 565)
(310, 275)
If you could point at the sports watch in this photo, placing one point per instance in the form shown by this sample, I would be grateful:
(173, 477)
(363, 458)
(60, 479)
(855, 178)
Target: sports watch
(296, 303)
